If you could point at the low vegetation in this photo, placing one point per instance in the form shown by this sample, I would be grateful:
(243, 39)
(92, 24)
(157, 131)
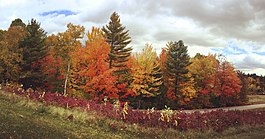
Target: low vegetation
(21, 117)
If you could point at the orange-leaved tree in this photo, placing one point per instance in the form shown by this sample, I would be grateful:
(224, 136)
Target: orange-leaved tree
(230, 83)
(90, 69)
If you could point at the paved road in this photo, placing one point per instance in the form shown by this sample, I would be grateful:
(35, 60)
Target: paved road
(246, 107)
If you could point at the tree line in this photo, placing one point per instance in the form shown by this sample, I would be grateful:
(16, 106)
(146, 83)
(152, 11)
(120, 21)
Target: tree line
(104, 67)
(255, 83)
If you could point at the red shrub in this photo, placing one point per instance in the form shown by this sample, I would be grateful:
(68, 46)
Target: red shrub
(216, 120)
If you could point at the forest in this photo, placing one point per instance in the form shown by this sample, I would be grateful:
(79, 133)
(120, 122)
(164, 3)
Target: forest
(99, 65)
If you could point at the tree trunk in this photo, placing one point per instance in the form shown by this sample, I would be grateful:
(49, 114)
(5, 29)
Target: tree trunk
(176, 85)
(110, 63)
(66, 78)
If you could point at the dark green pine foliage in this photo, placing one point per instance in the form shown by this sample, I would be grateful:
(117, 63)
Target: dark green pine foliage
(34, 50)
(118, 38)
(176, 65)
(18, 22)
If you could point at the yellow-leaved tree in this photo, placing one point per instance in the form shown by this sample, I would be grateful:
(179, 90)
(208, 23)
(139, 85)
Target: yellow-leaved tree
(204, 70)
(146, 74)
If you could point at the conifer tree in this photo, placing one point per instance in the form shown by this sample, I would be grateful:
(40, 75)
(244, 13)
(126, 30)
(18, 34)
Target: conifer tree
(118, 38)
(177, 73)
(33, 50)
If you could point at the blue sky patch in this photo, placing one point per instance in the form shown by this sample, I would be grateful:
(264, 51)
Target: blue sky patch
(260, 53)
(231, 49)
(58, 12)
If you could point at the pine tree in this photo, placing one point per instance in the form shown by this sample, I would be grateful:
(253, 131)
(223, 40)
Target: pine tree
(34, 50)
(176, 70)
(118, 38)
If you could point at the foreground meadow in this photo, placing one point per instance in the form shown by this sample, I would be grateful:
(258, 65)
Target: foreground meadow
(21, 117)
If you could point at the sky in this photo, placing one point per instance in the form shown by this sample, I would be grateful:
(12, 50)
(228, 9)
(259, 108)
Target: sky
(233, 28)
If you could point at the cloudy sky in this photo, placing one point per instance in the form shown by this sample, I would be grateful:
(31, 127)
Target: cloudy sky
(234, 28)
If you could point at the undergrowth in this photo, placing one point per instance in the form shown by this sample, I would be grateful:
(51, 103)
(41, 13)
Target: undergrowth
(78, 120)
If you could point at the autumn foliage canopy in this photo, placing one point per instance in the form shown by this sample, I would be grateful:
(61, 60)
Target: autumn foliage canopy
(99, 64)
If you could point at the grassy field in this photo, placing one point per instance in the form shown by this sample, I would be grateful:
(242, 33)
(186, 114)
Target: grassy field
(22, 118)
(256, 99)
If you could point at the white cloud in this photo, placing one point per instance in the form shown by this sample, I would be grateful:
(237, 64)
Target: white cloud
(202, 25)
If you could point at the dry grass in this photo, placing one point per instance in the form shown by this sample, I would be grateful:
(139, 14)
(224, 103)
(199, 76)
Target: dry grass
(256, 99)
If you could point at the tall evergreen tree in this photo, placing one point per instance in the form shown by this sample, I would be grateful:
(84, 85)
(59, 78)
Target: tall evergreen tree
(34, 50)
(118, 38)
(176, 69)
